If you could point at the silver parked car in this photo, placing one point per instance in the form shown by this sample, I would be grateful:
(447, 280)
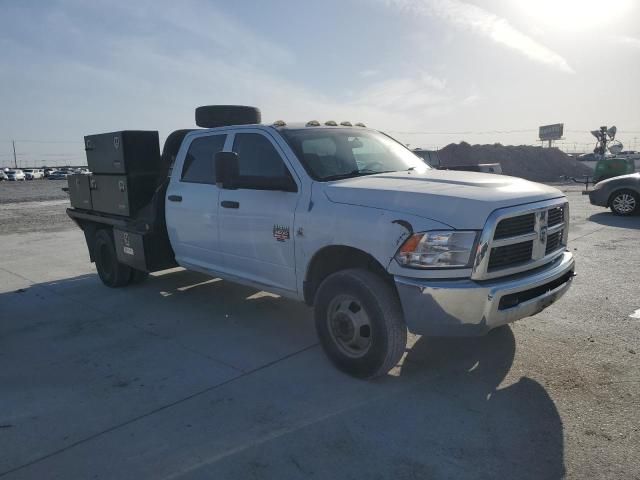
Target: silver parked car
(58, 175)
(16, 175)
(621, 194)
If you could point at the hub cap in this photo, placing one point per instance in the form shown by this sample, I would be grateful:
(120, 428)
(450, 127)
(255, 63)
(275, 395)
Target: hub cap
(624, 203)
(349, 326)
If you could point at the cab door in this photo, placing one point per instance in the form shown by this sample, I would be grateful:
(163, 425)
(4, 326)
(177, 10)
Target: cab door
(191, 206)
(257, 219)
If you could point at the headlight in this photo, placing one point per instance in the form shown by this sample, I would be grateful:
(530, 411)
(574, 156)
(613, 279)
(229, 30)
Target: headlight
(438, 249)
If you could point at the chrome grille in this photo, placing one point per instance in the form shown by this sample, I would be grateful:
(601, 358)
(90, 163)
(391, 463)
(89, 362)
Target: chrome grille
(554, 241)
(555, 216)
(511, 227)
(521, 238)
(510, 255)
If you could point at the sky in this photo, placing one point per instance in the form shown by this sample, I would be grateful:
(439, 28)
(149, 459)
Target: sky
(429, 72)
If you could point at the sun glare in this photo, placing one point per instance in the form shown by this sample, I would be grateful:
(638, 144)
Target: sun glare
(575, 15)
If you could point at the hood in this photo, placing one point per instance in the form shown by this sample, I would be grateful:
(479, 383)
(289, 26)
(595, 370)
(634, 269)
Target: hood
(460, 199)
(620, 177)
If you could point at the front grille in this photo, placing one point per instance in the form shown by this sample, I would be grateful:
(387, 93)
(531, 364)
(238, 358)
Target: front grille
(511, 227)
(555, 216)
(520, 238)
(510, 255)
(554, 241)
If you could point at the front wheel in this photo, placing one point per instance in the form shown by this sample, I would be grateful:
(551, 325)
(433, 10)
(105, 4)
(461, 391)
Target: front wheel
(624, 202)
(360, 324)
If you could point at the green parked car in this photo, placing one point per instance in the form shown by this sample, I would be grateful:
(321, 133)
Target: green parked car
(613, 167)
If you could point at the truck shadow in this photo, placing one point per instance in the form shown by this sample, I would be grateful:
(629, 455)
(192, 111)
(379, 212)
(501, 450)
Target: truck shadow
(489, 430)
(451, 410)
(611, 220)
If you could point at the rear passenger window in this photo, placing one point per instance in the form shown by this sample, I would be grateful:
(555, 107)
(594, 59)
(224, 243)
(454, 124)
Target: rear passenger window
(198, 164)
(258, 157)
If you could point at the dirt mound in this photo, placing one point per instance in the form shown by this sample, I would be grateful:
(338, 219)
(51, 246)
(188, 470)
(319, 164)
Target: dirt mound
(533, 163)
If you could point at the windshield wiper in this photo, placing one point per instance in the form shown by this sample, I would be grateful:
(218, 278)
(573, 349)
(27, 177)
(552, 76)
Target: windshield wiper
(355, 173)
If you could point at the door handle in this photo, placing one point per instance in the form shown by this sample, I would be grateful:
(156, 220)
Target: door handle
(175, 198)
(229, 204)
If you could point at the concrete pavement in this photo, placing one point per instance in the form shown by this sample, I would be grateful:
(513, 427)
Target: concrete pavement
(185, 376)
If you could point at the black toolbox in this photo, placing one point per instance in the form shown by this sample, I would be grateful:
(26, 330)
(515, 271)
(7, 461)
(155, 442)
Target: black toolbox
(80, 191)
(129, 152)
(122, 194)
(148, 251)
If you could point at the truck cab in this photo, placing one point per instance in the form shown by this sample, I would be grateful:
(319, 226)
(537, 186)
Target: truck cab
(351, 222)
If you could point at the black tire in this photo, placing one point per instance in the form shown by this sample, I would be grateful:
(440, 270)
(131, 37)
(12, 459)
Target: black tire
(112, 273)
(387, 330)
(138, 276)
(624, 203)
(212, 116)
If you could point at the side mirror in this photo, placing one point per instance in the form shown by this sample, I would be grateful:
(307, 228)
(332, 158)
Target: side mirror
(226, 168)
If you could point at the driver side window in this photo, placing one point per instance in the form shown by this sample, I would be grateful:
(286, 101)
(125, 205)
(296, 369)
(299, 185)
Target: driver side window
(258, 157)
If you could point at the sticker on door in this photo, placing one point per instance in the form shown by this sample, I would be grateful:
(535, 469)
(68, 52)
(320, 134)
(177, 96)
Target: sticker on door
(281, 233)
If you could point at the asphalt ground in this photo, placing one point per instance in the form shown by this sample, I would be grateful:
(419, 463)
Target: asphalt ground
(32, 191)
(185, 376)
(33, 206)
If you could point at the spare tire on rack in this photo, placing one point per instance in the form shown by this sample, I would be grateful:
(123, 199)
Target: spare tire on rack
(212, 116)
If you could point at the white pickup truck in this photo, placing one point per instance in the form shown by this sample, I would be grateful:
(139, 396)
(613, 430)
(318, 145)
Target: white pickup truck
(349, 221)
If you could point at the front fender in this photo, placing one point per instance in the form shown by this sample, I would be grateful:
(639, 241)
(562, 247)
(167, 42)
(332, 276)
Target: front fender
(377, 232)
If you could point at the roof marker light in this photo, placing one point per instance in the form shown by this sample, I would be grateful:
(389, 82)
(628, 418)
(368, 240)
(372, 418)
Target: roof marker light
(313, 123)
(346, 124)
(331, 123)
(279, 123)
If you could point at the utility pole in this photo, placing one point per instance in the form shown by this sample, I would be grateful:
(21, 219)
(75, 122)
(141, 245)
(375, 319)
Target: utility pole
(15, 162)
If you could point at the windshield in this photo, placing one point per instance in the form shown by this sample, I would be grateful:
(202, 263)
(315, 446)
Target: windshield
(331, 154)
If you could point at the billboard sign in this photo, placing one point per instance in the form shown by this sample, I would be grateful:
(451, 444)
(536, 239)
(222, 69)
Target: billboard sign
(551, 132)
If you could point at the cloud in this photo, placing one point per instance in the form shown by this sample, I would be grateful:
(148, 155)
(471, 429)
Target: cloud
(487, 24)
(470, 100)
(369, 73)
(399, 94)
(630, 41)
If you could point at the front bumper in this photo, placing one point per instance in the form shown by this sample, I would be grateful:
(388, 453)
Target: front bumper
(599, 197)
(468, 308)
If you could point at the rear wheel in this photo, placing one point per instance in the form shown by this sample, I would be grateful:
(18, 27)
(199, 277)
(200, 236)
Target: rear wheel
(624, 202)
(360, 324)
(112, 273)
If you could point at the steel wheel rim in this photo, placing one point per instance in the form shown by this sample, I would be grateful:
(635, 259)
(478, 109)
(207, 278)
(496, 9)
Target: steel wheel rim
(349, 326)
(624, 203)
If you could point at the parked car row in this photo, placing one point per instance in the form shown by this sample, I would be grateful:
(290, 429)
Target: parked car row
(16, 174)
(64, 173)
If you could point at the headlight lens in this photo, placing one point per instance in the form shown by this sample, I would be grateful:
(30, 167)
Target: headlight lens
(438, 249)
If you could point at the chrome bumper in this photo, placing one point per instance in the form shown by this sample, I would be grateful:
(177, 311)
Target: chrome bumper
(468, 307)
